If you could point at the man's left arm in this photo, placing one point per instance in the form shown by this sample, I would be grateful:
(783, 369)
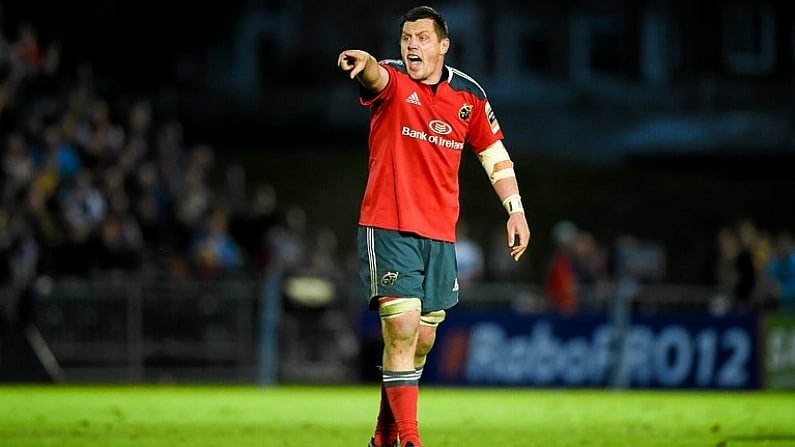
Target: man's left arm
(498, 165)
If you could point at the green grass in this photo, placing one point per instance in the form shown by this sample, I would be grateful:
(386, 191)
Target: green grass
(218, 416)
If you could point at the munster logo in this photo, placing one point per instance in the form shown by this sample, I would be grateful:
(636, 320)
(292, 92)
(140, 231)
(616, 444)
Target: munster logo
(389, 278)
(465, 111)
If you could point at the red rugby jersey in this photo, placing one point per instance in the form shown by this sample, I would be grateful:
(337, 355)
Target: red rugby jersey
(416, 140)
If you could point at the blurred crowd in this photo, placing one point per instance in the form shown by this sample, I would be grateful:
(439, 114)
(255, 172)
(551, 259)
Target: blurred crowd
(96, 183)
(583, 274)
(92, 182)
(754, 268)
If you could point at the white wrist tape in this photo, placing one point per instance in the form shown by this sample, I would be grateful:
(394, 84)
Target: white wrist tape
(497, 162)
(513, 204)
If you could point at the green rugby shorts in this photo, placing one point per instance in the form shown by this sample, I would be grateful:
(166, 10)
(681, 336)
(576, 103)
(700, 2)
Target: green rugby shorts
(404, 265)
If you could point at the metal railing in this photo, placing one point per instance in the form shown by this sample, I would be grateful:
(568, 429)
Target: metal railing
(236, 330)
(152, 330)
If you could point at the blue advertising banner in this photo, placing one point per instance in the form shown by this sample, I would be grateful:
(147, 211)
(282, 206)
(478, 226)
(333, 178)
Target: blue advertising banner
(682, 351)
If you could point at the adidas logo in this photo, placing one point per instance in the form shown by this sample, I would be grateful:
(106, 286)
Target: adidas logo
(414, 99)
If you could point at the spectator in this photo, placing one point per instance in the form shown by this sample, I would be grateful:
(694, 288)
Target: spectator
(642, 261)
(42, 220)
(6, 246)
(251, 224)
(26, 51)
(100, 139)
(727, 248)
(151, 206)
(469, 256)
(84, 205)
(18, 168)
(779, 274)
(744, 267)
(58, 153)
(192, 203)
(590, 270)
(121, 241)
(560, 284)
(213, 251)
(498, 266)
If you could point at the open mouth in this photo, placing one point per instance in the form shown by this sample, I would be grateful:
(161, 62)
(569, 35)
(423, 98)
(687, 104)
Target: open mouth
(413, 59)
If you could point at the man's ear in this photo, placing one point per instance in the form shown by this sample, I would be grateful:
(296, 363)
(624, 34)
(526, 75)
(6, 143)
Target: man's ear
(445, 45)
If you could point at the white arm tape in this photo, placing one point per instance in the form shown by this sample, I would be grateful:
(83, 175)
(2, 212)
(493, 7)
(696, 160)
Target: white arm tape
(495, 156)
(513, 204)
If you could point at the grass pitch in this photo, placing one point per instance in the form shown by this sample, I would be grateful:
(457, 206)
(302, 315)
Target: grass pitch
(219, 416)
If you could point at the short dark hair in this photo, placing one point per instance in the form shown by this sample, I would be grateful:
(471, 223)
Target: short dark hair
(426, 12)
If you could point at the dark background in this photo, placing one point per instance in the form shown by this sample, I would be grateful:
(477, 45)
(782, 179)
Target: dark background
(668, 141)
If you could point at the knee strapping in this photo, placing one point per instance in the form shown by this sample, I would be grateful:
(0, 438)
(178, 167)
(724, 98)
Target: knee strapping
(432, 318)
(399, 306)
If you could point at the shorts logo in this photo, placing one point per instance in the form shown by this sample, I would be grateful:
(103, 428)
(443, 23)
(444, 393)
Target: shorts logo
(389, 278)
(465, 111)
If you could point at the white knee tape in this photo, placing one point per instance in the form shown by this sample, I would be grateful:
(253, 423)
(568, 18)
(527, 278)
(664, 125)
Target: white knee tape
(399, 306)
(433, 318)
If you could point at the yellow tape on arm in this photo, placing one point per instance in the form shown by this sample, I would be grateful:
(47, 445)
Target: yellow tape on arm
(496, 162)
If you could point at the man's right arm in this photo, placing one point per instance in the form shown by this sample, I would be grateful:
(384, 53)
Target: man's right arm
(363, 66)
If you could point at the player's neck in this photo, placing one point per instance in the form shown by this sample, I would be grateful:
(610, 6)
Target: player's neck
(442, 77)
